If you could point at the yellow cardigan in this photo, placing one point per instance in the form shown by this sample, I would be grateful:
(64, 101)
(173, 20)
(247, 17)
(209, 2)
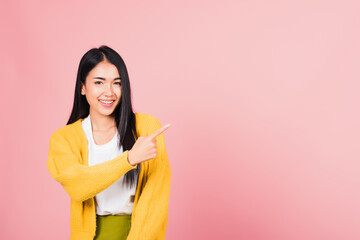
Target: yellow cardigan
(68, 164)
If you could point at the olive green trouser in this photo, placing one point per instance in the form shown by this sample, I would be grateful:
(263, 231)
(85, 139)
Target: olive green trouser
(112, 227)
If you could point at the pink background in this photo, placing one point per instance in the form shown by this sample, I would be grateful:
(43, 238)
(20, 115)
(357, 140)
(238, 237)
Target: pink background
(263, 97)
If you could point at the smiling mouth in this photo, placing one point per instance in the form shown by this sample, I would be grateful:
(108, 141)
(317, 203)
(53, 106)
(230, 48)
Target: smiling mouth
(107, 102)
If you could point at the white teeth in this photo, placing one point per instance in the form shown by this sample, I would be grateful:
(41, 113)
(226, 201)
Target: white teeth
(107, 102)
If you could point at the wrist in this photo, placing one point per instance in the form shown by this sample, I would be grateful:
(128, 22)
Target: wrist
(128, 159)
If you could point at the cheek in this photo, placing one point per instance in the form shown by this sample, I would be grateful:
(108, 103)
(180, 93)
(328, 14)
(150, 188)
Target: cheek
(94, 92)
(92, 95)
(118, 91)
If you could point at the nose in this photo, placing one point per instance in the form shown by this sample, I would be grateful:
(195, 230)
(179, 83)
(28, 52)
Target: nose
(108, 91)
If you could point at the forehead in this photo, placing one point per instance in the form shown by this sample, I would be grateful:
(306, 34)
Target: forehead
(104, 69)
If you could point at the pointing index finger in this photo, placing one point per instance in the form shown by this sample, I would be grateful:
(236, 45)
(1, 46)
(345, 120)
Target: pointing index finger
(161, 130)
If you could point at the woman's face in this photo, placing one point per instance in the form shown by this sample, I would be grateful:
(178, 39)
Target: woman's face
(102, 88)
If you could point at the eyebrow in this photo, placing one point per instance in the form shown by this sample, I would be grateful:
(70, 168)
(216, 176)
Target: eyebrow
(104, 78)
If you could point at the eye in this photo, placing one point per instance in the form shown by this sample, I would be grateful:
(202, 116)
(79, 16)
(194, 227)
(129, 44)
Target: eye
(98, 82)
(119, 83)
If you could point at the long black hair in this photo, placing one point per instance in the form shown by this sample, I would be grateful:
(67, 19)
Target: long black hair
(124, 115)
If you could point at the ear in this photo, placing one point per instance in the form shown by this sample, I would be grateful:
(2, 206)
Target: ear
(82, 89)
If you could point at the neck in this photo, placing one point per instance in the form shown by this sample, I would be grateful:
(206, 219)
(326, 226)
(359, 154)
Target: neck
(101, 122)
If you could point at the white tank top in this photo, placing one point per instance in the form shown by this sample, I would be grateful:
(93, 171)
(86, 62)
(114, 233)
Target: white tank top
(117, 199)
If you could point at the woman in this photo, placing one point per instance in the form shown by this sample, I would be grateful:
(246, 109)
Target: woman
(113, 163)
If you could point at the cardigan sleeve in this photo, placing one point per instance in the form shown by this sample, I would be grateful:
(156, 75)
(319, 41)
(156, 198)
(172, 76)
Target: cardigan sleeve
(151, 211)
(79, 181)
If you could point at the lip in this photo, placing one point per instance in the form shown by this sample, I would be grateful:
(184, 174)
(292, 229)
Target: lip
(106, 105)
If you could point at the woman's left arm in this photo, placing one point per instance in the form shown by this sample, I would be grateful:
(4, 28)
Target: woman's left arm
(151, 211)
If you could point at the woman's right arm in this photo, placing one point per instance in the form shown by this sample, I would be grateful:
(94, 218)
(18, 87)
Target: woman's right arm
(79, 181)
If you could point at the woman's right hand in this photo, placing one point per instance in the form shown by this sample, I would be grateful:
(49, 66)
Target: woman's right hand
(145, 147)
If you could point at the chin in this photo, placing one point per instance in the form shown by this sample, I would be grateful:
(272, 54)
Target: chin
(106, 113)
